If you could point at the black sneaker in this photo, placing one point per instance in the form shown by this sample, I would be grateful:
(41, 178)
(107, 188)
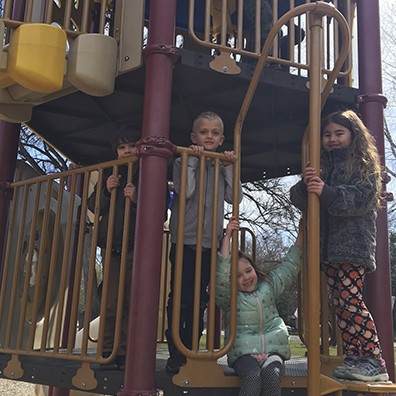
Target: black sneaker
(174, 363)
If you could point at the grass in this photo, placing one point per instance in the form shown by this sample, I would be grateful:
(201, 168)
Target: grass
(298, 349)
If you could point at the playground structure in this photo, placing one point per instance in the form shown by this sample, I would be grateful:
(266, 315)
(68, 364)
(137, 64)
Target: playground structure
(76, 85)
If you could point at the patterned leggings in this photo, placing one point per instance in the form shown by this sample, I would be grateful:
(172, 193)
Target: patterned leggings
(357, 326)
(259, 380)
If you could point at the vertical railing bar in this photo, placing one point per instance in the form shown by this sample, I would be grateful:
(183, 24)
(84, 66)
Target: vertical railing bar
(178, 270)
(94, 243)
(198, 255)
(102, 18)
(48, 11)
(67, 16)
(275, 42)
(85, 16)
(40, 263)
(78, 270)
(210, 334)
(11, 227)
(8, 9)
(224, 26)
(53, 264)
(239, 41)
(207, 20)
(257, 48)
(28, 11)
(28, 268)
(65, 264)
(106, 265)
(16, 269)
(91, 273)
(124, 253)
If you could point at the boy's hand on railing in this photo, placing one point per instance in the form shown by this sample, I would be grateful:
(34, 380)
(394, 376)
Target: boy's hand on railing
(197, 149)
(130, 191)
(230, 156)
(112, 182)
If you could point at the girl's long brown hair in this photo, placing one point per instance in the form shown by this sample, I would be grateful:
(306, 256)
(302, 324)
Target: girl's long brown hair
(364, 154)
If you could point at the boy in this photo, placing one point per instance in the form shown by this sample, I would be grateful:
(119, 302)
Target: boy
(207, 135)
(123, 146)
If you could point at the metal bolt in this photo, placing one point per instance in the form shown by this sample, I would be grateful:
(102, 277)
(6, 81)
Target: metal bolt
(126, 59)
(225, 69)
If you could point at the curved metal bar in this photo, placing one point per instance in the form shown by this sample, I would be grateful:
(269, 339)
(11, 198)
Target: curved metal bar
(283, 20)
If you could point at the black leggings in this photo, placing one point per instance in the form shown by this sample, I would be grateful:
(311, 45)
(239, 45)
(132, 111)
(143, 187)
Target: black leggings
(259, 380)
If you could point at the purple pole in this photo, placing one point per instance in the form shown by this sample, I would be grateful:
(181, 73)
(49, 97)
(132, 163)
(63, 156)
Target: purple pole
(372, 103)
(9, 136)
(160, 56)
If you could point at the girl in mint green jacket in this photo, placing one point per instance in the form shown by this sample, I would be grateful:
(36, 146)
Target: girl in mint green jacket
(262, 341)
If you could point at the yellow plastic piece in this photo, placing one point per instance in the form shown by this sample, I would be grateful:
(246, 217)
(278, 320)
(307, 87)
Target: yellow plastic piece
(36, 57)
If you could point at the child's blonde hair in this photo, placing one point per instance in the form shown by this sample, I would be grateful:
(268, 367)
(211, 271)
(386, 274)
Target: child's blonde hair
(363, 151)
(210, 115)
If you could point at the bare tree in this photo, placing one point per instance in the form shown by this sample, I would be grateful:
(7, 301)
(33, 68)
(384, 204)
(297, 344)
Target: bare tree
(268, 210)
(388, 42)
(41, 156)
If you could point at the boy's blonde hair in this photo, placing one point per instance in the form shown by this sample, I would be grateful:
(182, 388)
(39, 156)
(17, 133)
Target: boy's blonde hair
(210, 115)
(364, 154)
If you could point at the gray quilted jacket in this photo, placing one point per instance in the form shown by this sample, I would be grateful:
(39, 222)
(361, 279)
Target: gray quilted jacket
(347, 212)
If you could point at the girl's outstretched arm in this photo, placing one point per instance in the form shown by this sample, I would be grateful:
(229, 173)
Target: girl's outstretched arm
(225, 246)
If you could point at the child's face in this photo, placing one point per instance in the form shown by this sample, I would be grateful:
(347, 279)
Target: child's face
(336, 136)
(247, 277)
(126, 149)
(208, 134)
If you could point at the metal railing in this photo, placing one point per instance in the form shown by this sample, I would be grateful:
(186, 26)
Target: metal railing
(51, 265)
(74, 17)
(228, 32)
(49, 300)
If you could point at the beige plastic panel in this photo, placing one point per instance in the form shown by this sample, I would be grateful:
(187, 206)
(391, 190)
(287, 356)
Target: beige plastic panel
(92, 64)
(129, 33)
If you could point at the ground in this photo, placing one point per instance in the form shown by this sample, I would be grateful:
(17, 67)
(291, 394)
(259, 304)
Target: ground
(16, 388)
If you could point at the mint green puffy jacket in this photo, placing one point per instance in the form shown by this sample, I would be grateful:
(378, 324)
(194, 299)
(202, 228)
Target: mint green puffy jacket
(259, 327)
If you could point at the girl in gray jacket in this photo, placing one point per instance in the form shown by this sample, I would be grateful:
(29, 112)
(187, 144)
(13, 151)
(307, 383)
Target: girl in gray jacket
(262, 340)
(349, 190)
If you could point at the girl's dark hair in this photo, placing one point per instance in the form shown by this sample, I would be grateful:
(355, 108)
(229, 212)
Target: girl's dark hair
(261, 272)
(123, 135)
(363, 154)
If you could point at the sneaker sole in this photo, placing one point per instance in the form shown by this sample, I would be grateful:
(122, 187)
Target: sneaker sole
(374, 378)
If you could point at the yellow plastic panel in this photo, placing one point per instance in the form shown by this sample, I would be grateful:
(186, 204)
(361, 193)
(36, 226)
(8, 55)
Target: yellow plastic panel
(92, 64)
(36, 57)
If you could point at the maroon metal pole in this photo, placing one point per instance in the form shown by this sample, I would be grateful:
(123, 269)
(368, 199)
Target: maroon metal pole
(9, 136)
(160, 56)
(372, 103)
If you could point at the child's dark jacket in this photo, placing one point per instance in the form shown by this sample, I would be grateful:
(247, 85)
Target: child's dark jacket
(104, 209)
(347, 212)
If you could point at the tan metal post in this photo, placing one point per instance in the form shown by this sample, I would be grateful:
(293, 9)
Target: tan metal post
(315, 21)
